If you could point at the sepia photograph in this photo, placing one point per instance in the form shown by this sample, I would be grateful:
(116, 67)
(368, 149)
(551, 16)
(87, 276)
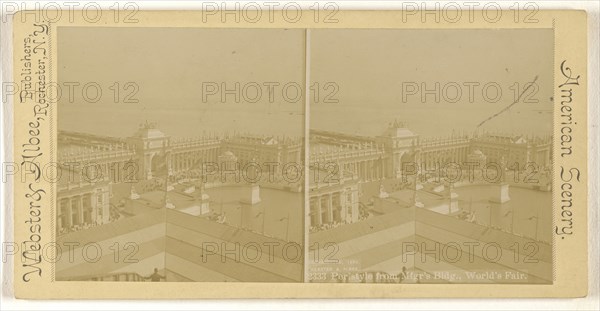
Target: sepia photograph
(300, 151)
(189, 154)
(433, 163)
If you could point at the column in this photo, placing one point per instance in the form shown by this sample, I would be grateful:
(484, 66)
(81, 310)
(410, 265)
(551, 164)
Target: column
(330, 207)
(169, 163)
(80, 208)
(359, 170)
(107, 170)
(319, 212)
(114, 171)
(148, 167)
(343, 207)
(69, 223)
(361, 167)
(373, 169)
(71, 208)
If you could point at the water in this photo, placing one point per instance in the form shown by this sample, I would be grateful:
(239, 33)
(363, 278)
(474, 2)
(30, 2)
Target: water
(122, 120)
(432, 120)
(427, 120)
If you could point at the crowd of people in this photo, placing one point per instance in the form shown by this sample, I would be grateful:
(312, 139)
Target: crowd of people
(77, 227)
(155, 184)
(113, 216)
(326, 226)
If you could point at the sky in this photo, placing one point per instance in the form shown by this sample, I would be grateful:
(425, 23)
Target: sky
(371, 66)
(169, 66)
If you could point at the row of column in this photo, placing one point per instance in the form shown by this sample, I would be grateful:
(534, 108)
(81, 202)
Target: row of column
(115, 171)
(369, 170)
(323, 214)
(433, 158)
(75, 210)
(328, 208)
(185, 160)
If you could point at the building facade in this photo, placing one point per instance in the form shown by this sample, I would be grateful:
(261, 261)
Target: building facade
(82, 205)
(369, 159)
(149, 153)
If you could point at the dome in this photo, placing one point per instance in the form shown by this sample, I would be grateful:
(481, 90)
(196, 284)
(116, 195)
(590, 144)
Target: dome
(477, 152)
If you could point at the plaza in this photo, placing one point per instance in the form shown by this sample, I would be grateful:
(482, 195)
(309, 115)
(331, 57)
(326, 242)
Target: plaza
(421, 199)
(188, 222)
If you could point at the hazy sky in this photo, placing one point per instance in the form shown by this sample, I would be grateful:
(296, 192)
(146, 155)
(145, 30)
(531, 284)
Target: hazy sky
(170, 66)
(370, 66)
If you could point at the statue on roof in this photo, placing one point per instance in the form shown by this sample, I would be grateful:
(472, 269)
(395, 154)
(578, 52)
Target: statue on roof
(148, 125)
(398, 124)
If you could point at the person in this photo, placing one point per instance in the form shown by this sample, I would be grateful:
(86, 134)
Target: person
(402, 275)
(223, 218)
(155, 277)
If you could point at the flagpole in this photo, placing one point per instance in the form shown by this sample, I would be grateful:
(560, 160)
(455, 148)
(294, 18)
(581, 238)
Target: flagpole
(264, 215)
(287, 231)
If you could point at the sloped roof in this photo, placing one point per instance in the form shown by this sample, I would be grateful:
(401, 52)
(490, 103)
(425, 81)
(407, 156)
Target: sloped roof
(398, 132)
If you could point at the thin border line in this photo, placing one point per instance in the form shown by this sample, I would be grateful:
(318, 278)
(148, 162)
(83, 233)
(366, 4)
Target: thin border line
(306, 148)
(53, 188)
(554, 181)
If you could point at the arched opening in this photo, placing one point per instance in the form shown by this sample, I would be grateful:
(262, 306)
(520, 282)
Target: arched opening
(408, 165)
(158, 165)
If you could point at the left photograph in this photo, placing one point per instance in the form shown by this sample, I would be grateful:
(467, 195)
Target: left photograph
(182, 154)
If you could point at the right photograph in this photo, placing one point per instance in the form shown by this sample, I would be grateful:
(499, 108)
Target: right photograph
(430, 156)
